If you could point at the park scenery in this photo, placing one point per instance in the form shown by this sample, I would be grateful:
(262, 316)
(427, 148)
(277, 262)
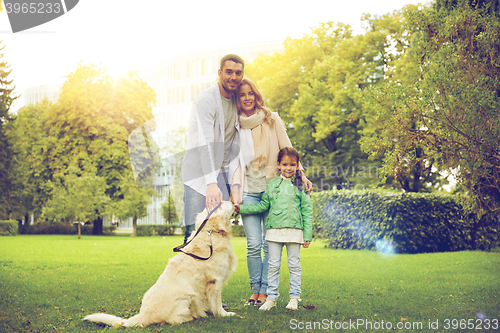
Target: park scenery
(398, 129)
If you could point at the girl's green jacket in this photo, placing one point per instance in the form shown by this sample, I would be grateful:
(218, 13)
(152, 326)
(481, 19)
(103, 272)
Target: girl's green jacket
(288, 207)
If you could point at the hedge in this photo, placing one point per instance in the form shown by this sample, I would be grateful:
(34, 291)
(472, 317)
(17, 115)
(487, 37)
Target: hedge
(8, 228)
(401, 222)
(238, 230)
(154, 229)
(45, 228)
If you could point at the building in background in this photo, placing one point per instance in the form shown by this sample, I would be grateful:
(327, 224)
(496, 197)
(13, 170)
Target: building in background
(36, 94)
(177, 81)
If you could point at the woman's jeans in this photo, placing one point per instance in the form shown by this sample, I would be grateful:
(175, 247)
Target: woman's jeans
(257, 250)
(293, 251)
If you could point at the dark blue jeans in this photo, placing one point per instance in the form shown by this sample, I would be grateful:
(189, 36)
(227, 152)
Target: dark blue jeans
(195, 203)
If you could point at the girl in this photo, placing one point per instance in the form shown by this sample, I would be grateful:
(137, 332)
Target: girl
(289, 223)
(262, 135)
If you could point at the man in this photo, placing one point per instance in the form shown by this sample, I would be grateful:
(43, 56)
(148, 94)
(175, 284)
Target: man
(210, 169)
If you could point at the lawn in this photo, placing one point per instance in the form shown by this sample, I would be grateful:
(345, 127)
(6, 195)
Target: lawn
(49, 283)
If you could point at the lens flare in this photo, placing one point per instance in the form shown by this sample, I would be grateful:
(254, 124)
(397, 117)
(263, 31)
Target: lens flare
(385, 247)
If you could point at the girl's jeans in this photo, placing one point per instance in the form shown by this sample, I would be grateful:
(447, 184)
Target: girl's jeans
(293, 251)
(257, 251)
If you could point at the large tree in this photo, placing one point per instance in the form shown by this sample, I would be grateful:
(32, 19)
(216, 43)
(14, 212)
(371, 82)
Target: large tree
(84, 137)
(449, 111)
(7, 182)
(31, 144)
(317, 85)
(96, 114)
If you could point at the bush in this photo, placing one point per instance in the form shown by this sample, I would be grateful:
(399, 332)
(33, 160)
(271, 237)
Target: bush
(8, 228)
(46, 228)
(151, 230)
(238, 231)
(401, 222)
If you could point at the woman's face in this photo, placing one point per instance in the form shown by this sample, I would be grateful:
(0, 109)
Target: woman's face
(247, 99)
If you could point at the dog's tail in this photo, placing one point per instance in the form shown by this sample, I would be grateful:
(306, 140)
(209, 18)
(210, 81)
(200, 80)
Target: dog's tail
(114, 321)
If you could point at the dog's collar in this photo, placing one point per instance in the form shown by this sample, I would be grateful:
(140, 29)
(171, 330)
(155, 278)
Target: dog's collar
(178, 248)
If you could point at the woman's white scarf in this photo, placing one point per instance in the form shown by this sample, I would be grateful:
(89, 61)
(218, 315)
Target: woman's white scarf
(254, 139)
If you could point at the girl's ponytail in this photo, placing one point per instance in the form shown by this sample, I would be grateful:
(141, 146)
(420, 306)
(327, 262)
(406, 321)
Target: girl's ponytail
(298, 180)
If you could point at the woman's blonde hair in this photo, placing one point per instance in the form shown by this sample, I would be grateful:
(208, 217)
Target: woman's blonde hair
(260, 103)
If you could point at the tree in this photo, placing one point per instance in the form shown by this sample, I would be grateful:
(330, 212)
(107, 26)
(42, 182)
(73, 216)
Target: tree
(450, 110)
(413, 171)
(493, 6)
(91, 123)
(134, 203)
(31, 165)
(317, 85)
(76, 195)
(168, 210)
(7, 183)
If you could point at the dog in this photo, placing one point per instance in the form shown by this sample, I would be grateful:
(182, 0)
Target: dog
(188, 288)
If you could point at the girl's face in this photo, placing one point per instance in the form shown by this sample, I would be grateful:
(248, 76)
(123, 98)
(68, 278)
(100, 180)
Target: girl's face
(288, 166)
(247, 99)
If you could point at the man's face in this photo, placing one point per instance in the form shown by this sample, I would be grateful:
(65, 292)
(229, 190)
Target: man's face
(230, 77)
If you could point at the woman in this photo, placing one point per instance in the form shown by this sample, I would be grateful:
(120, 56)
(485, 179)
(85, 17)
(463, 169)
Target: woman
(262, 135)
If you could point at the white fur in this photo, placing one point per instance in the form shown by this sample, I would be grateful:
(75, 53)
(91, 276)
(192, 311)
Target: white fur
(188, 288)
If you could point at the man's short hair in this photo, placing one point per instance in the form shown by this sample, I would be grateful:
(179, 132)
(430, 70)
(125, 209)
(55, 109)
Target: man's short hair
(232, 57)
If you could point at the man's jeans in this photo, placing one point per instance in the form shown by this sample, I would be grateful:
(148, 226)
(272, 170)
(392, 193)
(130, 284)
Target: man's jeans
(257, 250)
(195, 203)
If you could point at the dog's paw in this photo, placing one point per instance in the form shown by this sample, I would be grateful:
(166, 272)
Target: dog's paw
(226, 314)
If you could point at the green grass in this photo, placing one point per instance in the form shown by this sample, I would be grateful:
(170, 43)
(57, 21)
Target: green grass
(49, 283)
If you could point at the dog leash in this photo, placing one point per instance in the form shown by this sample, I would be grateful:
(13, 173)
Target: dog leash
(178, 248)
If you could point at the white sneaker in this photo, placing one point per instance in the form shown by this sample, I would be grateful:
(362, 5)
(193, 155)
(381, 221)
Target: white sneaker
(293, 304)
(268, 305)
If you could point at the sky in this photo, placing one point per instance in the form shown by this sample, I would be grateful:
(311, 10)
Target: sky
(126, 34)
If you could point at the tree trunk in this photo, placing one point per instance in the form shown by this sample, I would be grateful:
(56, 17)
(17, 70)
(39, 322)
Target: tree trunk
(134, 225)
(97, 230)
(79, 230)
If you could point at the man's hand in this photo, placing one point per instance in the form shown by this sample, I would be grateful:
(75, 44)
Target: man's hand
(214, 196)
(306, 244)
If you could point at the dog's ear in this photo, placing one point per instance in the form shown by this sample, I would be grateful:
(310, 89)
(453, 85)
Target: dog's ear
(220, 224)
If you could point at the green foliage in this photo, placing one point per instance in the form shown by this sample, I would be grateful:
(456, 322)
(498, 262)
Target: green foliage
(73, 163)
(76, 195)
(318, 86)
(238, 231)
(448, 5)
(155, 229)
(8, 228)
(405, 222)
(31, 166)
(8, 188)
(444, 114)
(168, 210)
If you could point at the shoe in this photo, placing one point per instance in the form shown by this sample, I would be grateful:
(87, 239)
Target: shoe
(259, 302)
(224, 305)
(268, 305)
(293, 304)
(250, 302)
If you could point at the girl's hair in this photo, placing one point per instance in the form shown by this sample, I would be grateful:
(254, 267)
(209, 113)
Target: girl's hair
(292, 152)
(260, 103)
